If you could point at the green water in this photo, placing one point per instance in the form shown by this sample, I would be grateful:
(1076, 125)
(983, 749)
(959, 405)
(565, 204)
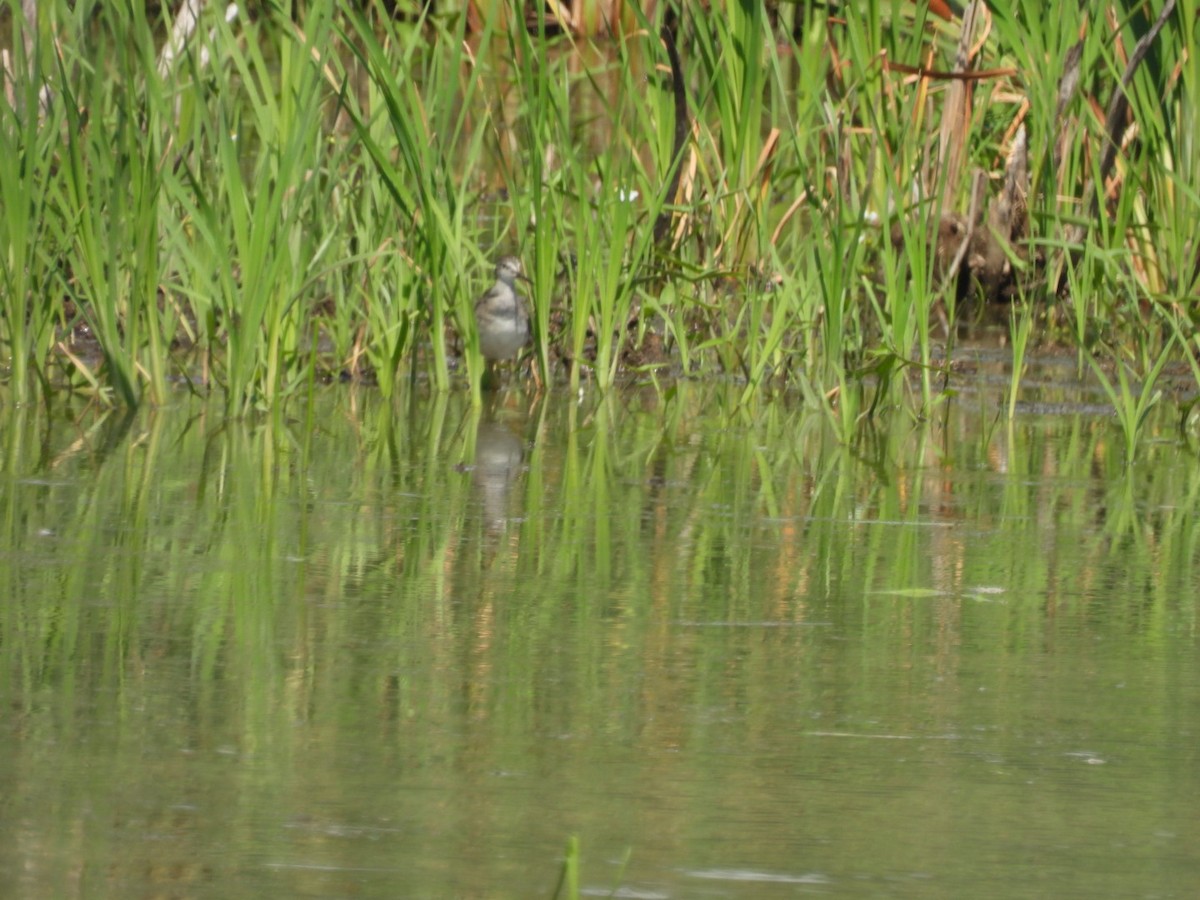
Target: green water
(409, 650)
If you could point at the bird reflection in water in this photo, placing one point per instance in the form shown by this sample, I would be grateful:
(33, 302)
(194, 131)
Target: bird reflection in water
(499, 457)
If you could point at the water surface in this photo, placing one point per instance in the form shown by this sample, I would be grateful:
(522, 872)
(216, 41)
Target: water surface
(410, 649)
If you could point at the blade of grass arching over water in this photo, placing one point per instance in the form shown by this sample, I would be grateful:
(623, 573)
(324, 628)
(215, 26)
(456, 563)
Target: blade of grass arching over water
(251, 212)
(383, 128)
(455, 156)
(423, 128)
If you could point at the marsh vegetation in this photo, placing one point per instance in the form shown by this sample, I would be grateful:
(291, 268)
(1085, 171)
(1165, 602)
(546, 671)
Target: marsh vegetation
(268, 200)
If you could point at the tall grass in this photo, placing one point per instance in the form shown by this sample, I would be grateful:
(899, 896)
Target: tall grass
(305, 193)
(425, 145)
(28, 148)
(257, 222)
